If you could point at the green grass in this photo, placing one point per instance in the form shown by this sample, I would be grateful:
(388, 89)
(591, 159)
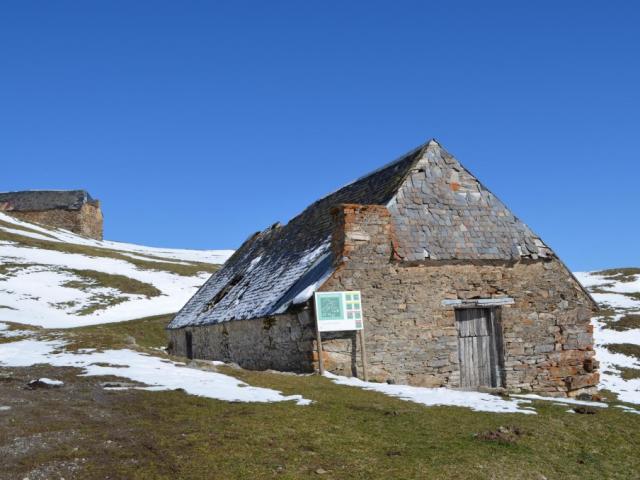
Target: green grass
(87, 281)
(620, 274)
(9, 269)
(347, 432)
(354, 434)
(629, 349)
(90, 279)
(186, 269)
(627, 322)
(24, 229)
(147, 332)
(628, 373)
(634, 295)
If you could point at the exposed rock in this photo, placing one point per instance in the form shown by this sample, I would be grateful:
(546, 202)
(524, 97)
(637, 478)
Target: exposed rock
(117, 385)
(44, 383)
(585, 410)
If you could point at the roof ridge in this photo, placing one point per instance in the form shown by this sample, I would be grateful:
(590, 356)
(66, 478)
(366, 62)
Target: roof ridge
(402, 157)
(399, 159)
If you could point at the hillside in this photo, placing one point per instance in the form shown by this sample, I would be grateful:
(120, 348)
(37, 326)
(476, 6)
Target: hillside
(106, 401)
(55, 279)
(617, 329)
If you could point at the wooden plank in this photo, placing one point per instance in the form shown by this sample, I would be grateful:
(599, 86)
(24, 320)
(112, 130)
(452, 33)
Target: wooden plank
(320, 351)
(472, 322)
(484, 361)
(363, 353)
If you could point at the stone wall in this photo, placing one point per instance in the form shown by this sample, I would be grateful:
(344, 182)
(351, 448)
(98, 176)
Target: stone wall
(285, 342)
(87, 220)
(412, 337)
(410, 326)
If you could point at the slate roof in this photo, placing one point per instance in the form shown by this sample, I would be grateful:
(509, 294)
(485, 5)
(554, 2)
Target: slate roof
(443, 212)
(272, 267)
(440, 211)
(37, 200)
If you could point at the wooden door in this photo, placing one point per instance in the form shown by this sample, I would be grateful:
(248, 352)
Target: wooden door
(478, 339)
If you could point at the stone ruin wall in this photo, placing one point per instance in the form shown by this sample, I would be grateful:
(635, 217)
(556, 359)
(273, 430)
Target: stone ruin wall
(411, 337)
(87, 220)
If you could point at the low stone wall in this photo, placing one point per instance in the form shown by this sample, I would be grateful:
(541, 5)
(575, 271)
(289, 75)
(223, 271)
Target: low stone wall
(284, 342)
(87, 221)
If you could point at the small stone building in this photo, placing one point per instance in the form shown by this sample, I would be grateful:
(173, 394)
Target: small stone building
(72, 210)
(456, 290)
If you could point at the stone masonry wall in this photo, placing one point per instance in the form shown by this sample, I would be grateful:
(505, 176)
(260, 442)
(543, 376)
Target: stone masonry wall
(86, 221)
(284, 342)
(411, 336)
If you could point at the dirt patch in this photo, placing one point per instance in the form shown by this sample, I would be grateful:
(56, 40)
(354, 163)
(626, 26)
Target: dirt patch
(61, 432)
(585, 410)
(509, 434)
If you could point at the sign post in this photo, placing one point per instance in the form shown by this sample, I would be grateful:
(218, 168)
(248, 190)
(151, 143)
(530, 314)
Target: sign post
(363, 353)
(340, 311)
(319, 342)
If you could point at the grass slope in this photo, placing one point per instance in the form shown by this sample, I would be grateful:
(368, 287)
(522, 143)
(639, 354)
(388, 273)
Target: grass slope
(186, 268)
(54, 278)
(347, 433)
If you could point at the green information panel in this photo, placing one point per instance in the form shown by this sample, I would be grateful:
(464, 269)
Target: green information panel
(337, 311)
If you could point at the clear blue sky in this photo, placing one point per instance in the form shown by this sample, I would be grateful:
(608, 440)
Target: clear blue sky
(198, 123)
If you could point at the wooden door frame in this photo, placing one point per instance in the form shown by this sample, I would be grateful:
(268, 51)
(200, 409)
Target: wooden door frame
(498, 365)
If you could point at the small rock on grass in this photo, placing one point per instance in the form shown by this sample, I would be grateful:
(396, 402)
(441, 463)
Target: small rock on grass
(44, 383)
(585, 410)
(121, 385)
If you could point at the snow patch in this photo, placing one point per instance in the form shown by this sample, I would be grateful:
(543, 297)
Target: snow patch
(156, 373)
(477, 401)
(37, 295)
(610, 363)
(568, 401)
(628, 409)
(49, 381)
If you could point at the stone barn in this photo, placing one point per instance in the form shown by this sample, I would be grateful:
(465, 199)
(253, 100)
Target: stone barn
(72, 210)
(456, 290)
